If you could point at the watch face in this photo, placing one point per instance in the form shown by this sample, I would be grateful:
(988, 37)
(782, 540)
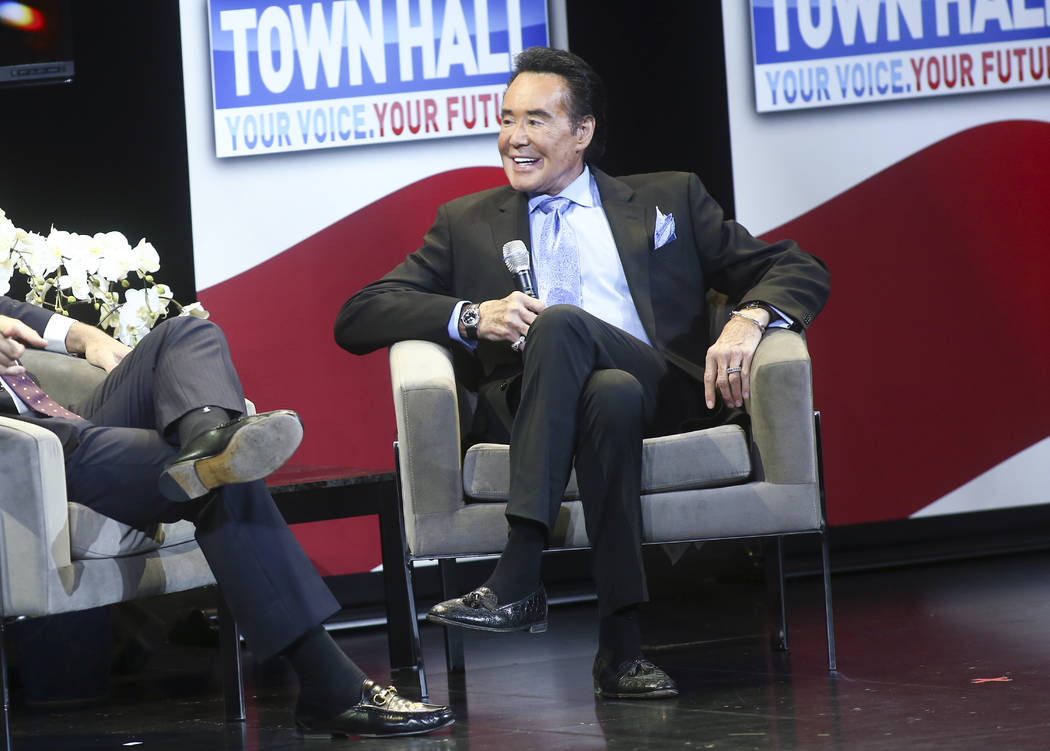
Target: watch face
(470, 316)
(756, 305)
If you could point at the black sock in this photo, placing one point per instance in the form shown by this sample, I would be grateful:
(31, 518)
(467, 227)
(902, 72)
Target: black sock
(198, 421)
(517, 572)
(328, 679)
(619, 636)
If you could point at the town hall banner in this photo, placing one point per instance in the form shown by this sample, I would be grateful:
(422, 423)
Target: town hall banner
(289, 76)
(823, 53)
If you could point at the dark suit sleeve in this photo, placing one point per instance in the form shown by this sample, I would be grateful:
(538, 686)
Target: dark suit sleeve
(413, 301)
(31, 315)
(746, 268)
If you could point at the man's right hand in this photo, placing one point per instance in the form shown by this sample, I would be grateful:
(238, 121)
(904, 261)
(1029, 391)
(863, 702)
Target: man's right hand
(14, 335)
(508, 319)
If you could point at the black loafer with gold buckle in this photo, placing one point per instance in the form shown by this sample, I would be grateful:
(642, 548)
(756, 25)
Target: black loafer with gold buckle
(380, 713)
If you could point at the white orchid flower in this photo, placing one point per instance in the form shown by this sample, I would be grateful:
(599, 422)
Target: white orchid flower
(42, 258)
(77, 279)
(7, 269)
(139, 312)
(147, 259)
(8, 234)
(194, 309)
(117, 258)
(66, 267)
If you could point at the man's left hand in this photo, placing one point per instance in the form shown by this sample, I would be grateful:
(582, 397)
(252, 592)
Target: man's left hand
(106, 353)
(728, 363)
(98, 347)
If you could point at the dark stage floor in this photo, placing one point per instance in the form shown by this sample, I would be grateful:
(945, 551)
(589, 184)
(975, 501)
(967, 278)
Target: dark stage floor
(943, 656)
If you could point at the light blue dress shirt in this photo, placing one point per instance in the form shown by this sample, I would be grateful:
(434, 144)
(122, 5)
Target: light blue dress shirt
(603, 283)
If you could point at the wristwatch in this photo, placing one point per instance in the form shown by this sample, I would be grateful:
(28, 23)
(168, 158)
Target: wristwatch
(756, 304)
(470, 317)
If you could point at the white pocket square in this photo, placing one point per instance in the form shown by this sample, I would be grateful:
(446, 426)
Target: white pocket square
(664, 229)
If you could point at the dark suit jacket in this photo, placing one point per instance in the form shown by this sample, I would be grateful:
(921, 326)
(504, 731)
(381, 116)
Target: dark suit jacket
(37, 317)
(461, 259)
(32, 315)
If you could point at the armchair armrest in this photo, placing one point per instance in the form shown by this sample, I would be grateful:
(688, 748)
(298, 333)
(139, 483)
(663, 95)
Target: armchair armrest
(66, 379)
(34, 516)
(427, 410)
(781, 410)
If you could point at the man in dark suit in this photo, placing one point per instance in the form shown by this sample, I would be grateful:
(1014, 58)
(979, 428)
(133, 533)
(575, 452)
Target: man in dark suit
(614, 349)
(163, 438)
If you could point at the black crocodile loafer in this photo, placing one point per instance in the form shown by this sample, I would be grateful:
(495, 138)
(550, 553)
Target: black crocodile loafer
(481, 610)
(632, 679)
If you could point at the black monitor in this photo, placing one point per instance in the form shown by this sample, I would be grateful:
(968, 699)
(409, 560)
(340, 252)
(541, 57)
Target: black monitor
(36, 42)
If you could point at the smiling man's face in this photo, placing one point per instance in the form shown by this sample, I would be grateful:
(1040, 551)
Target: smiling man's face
(541, 150)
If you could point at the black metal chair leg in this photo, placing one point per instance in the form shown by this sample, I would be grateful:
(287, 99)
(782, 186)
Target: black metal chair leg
(6, 696)
(453, 636)
(775, 599)
(829, 615)
(402, 624)
(402, 620)
(230, 660)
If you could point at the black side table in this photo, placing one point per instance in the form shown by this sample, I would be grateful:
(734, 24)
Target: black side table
(310, 493)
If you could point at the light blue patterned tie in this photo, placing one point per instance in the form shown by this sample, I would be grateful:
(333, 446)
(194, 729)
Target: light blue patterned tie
(558, 262)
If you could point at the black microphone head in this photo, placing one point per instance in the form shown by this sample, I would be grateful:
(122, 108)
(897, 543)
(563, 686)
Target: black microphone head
(516, 256)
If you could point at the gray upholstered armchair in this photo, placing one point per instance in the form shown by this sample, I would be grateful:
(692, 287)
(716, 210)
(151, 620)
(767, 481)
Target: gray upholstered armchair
(57, 556)
(704, 485)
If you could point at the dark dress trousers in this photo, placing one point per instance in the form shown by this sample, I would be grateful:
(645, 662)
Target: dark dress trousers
(585, 393)
(115, 454)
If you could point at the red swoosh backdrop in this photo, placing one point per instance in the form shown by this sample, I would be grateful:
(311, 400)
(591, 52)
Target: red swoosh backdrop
(930, 361)
(278, 317)
(930, 365)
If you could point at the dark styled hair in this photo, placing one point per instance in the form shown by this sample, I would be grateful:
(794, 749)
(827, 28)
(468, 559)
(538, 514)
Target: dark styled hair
(585, 88)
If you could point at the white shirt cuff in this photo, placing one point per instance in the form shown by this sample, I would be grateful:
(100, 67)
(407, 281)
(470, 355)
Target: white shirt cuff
(55, 333)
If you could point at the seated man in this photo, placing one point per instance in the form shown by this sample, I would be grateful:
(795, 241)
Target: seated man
(616, 341)
(163, 438)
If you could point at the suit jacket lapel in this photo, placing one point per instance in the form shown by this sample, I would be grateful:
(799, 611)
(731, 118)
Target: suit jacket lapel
(508, 221)
(632, 229)
(511, 221)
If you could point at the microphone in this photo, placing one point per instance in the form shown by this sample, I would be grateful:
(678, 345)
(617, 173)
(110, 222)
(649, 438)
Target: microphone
(516, 257)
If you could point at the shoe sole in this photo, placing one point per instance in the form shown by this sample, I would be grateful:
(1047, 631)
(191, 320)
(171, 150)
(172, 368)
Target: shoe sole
(664, 693)
(316, 735)
(254, 451)
(535, 628)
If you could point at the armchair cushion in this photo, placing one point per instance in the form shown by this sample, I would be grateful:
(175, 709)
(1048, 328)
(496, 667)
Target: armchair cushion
(66, 379)
(92, 535)
(686, 461)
